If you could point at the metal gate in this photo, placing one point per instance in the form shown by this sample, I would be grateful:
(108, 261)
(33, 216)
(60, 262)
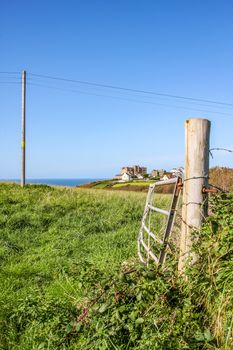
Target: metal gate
(150, 246)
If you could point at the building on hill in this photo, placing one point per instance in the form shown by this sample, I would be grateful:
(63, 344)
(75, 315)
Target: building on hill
(158, 173)
(127, 169)
(154, 173)
(131, 172)
(134, 170)
(167, 176)
(162, 172)
(126, 177)
(118, 176)
(139, 170)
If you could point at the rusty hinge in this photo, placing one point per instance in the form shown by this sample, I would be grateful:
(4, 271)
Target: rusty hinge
(209, 190)
(180, 184)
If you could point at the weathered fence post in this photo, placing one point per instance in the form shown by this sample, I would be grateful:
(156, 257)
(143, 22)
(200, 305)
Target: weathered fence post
(194, 204)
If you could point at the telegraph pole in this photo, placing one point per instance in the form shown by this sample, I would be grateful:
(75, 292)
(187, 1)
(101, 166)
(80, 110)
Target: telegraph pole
(23, 164)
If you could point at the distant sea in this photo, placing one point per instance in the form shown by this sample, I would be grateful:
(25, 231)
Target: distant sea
(57, 182)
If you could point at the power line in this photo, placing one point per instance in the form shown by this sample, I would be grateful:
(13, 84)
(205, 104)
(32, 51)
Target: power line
(34, 81)
(9, 77)
(190, 99)
(10, 82)
(9, 72)
(132, 90)
(128, 99)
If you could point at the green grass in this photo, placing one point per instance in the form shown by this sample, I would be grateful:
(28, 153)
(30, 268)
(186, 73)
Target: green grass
(65, 254)
(133, 183)
(108, 184)
(101, 184)
(50, 240)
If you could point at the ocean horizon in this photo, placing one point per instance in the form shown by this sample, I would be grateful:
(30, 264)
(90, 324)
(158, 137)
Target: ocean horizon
(55, 182)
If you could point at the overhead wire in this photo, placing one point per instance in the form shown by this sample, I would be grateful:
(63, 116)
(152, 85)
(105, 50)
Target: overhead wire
(9, 72)
(161, 98)
(10, 82)
(123, 88)
(149, 94)
(131, 89)
(8, 75)
(129, 99)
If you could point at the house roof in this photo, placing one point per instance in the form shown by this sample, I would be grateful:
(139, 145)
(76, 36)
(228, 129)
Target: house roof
(168, 175)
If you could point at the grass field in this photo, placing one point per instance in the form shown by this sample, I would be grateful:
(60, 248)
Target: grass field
(65, 259)
(51, 239)
(112, 184)
(131, 186)
(134, 183)
(219, 176)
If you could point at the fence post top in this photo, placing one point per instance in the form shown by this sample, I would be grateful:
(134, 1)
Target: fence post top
(197, 119)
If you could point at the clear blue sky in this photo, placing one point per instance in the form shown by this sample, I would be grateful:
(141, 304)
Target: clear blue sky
(172, 47)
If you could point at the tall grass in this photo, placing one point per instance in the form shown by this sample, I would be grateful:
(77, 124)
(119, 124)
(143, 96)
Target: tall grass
(56, 245)
(70, 278)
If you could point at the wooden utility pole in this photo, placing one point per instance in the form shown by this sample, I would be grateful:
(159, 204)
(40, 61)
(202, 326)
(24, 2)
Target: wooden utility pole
(194, 204)
(23, 144)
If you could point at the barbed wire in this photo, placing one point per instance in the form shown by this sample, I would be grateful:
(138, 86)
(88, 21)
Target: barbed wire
(219, 149)
(219, 188)
(196, 178)
(186, 204)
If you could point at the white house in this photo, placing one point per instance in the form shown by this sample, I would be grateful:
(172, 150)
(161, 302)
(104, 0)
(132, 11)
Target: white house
(126, 177)
(167, 176)
(177, 171)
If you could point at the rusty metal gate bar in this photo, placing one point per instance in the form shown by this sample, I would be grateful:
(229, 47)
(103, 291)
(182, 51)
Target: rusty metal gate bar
(149, 209)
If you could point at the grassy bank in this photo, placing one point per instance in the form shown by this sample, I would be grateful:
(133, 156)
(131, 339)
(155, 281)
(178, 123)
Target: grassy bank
(134, 185)
(218, 176)
(70, 278)
(130, 186)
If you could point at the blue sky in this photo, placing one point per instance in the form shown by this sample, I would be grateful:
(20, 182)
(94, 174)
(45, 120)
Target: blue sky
(74, 130)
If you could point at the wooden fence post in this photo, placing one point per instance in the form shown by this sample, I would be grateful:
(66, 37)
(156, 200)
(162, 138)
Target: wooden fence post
(194, 203)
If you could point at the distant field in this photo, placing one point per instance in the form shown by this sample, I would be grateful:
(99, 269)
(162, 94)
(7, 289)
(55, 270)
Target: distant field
(130, 186)
(219, 176)
(134, 183)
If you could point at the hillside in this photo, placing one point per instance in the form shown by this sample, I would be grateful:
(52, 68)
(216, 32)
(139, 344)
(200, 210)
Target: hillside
(135, 185)
(218, 176)
(222, 177)
(70, 278)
